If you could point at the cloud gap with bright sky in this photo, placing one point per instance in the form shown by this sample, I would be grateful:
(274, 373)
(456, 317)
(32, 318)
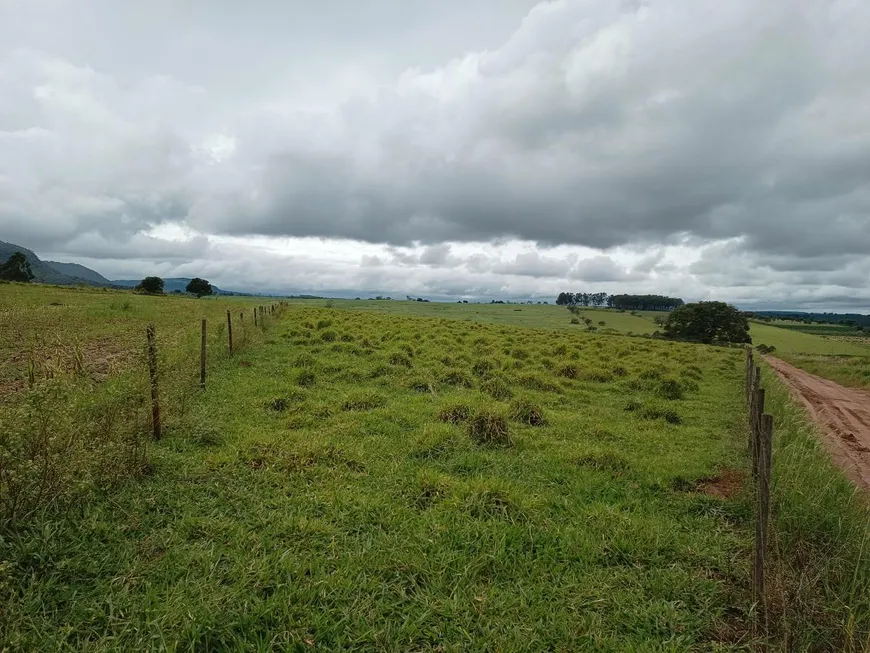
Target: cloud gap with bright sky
(482, 148)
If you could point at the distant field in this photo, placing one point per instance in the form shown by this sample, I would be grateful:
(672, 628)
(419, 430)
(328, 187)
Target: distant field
(817, 329)
(788, 341)
(524, 315)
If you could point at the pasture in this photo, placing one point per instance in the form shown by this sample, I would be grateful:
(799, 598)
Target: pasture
(538, 316)
(370, 480)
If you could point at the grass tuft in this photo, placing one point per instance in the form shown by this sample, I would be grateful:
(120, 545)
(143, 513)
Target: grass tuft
(489, 428)
(527, 412)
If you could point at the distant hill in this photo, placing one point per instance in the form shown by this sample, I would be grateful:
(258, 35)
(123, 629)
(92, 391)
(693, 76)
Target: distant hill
(79, 272)
(69, 274)
(170, 285)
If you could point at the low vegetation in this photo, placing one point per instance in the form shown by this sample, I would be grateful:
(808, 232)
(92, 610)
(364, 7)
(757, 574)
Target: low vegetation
(406, 483)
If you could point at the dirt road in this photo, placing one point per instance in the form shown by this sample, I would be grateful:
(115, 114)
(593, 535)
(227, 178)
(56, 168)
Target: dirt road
(842, 413)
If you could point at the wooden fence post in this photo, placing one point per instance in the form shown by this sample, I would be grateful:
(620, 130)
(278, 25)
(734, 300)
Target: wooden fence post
(152, 370)
(255, 316)
(757, 430)
(230, 331)
(765, 441)
(202, 349)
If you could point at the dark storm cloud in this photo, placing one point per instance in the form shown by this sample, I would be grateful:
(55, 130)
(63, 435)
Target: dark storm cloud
(598, 127)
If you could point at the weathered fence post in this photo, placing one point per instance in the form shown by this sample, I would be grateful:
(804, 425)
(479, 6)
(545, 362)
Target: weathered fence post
(230, 331)
(152, 370)
(202, 356)
(241, 316)
(757, 429)
(765, 442)
(255, 316)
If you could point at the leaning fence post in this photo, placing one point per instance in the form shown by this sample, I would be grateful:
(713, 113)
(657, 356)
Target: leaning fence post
(230, 331)
(152, 370)
(202, 349)
(763, 508)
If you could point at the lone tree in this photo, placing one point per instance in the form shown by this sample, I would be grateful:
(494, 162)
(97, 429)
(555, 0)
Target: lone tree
(17, 268)
(150, 286)
(708, 322)
(199, 287)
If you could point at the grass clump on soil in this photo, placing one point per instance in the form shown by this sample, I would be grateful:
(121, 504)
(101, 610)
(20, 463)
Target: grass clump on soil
(525, 411)
(489, 428)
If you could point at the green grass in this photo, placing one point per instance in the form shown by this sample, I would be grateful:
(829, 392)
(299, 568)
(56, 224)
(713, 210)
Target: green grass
(819, 571)
(104, 329)
(788, 341)
(314, 493)
(540, 316)
(365, 480)
(842, 360)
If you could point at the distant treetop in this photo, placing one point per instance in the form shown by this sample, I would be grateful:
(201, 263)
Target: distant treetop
(199, 287)
(150, 286)
(17, 268)
(631, 302)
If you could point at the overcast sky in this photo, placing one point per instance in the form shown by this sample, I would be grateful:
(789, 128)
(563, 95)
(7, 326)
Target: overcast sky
(705, 149)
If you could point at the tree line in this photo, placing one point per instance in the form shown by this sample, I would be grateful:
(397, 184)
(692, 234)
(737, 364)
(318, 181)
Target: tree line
(627, 302)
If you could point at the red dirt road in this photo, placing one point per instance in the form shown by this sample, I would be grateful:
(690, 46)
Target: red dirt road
(842, 413)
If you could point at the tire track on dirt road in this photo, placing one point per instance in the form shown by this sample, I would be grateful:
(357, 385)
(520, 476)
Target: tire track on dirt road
(842, 413)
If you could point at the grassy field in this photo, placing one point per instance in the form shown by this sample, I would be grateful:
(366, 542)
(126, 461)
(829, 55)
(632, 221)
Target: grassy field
(360, 479)
(788, 341)
(538, 316)
(94, 331)
(843, 360)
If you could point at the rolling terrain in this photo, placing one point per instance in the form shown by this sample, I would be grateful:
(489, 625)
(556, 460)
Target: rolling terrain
(413, 478)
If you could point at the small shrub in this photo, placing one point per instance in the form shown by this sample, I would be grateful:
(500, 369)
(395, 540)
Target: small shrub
(454, 413)
(525, 411)
(574, 320)
(489, 428)
(323, 324)
(306, 378)
(329, 336)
